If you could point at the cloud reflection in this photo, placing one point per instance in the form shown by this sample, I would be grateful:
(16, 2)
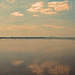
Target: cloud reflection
(17, 63)
(53, 68)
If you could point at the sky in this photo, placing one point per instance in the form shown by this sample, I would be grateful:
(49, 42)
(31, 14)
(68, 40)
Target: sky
(37, 18)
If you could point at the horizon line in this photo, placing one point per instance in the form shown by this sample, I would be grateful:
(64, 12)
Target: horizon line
(40, 37)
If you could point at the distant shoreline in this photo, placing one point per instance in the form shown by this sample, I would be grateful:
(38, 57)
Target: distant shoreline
(70, 38)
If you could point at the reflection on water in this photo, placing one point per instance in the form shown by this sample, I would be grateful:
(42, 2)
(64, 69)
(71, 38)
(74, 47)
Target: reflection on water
(50, 68)
(37, 57)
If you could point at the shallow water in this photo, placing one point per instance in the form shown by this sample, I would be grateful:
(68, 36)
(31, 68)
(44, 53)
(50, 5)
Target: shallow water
(37, 57)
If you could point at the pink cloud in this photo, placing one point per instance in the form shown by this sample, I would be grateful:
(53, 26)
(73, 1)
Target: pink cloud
(54, 26)
(48, 13)
(48, 25)
(6, 28)
(22, 27)
(17, 14)
(26, 27)
(59, 6)
(62, 7)
(35, 15)
(58, 27)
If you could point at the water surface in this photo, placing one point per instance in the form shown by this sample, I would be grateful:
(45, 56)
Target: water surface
(37, 57)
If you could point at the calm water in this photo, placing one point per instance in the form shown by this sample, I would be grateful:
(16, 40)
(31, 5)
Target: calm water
(37, 57)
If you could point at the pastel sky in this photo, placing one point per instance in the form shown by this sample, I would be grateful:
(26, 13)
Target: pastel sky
(37, 17)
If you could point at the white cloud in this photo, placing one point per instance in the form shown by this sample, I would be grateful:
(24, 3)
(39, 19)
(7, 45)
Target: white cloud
(52, 8)
(36, 7)
(38, 4)
(17, 14)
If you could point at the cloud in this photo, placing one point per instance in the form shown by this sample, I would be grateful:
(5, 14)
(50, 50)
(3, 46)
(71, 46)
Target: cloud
(6, 28)
(35, 15)
(10, 1)
(25, 27)
(36, 7)
(17, 14)
(17, 63)
(48, 25)
(38, 4)
(58, 27)
(52, 8)
(21, 27)
(59, 6)
(47, 11)
(54, 26)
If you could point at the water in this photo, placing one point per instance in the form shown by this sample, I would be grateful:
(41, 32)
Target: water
(37, 57)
